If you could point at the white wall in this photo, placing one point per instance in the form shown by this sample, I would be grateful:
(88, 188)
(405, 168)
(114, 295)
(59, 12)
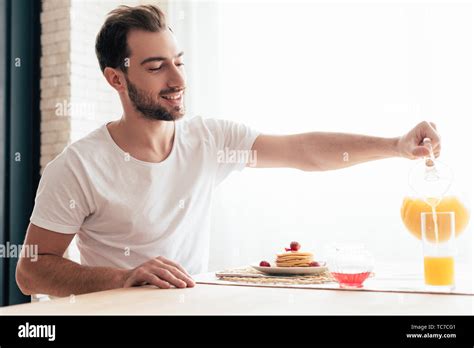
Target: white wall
(375, 68)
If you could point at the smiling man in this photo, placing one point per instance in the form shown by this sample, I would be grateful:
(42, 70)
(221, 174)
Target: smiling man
(137, 191)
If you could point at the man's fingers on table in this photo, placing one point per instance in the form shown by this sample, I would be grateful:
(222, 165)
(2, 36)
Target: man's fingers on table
(177, 265)
(143, 277)
(154, 280)
(172, 263)
(177, 273)
(166, 275)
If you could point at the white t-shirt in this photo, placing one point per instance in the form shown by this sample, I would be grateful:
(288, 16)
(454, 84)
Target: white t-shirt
(126, 211)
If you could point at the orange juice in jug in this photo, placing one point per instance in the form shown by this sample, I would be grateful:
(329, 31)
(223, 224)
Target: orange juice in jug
(413, 207)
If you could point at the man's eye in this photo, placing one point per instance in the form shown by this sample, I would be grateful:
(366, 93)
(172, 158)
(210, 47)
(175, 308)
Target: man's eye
(179, 64)
(155, 69)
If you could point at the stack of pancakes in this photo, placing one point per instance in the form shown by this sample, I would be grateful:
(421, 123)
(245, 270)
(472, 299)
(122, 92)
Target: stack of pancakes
(294, 259)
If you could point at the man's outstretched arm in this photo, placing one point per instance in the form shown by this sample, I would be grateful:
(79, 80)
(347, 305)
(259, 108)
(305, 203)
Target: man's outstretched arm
(319, 151)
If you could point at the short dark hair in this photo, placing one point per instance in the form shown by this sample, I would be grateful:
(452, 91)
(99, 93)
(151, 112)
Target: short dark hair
(111, 45)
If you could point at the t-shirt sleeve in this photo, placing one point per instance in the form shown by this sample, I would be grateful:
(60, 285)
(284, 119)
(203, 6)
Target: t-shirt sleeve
(62, 202)
(233, 143)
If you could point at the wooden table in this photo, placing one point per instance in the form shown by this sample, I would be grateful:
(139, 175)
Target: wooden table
(223, 299)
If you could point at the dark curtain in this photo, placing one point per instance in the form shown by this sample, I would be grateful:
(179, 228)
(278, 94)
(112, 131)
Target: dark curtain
(20, 131)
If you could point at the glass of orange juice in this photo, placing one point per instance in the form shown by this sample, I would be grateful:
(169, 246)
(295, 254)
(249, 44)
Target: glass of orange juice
(438, 237)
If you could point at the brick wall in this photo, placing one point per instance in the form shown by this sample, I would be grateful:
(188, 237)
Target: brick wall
(55, 77)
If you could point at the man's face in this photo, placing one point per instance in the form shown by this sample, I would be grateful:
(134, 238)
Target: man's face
(155, 76)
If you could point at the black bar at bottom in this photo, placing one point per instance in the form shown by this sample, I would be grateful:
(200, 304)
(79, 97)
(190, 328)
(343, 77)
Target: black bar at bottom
(453, 331)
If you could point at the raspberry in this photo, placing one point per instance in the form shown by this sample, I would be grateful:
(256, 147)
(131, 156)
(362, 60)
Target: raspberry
(314, 264)
(264, 264)
(295, 246)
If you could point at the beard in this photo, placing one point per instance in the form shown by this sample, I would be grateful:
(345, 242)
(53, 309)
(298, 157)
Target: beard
(150, 108)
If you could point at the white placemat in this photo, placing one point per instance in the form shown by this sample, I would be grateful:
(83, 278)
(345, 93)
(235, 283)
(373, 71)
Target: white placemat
(387, 278)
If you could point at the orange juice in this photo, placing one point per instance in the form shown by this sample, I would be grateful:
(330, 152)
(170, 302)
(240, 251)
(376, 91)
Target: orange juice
(439, 270)
(413, 207)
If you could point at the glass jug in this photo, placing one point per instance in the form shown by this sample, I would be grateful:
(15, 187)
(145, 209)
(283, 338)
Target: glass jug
(431, 181)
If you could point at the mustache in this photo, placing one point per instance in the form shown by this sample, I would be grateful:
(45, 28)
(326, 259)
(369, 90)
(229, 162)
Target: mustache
(172, 90)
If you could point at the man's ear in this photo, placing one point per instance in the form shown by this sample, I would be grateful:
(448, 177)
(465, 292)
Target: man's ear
(115, 78)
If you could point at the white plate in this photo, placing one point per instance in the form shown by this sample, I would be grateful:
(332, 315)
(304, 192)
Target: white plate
(291, 270)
